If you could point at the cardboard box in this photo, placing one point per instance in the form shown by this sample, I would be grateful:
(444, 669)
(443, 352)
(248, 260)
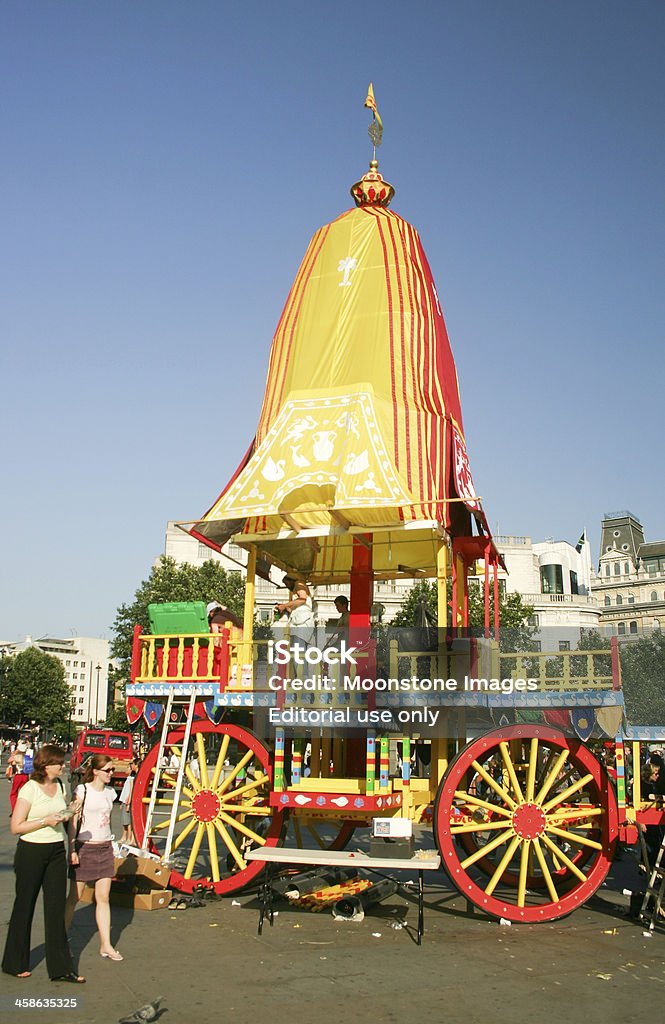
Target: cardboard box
(143, 867)
(402, 849)
(156, 899)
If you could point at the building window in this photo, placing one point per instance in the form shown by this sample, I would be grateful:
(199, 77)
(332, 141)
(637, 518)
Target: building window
(534, 621)
(573, 583)
(75, 675)
(619, 599)
(537, 646)
(81, 699)
(654, 595)
(608, 600)
(617, 568)
(68, 663)
(551, 579)
(607, 570)
(564, 645)
(81, 689)
(82, 664)
(621, 629)
(626, 568)
(76, 664)
(631, 600)
(655, 623)
(633, 627)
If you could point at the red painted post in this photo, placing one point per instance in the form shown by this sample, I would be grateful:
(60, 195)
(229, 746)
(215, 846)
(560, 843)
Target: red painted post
(136, 654)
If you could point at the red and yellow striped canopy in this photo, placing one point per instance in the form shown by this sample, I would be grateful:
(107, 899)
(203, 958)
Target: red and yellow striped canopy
(361, 425)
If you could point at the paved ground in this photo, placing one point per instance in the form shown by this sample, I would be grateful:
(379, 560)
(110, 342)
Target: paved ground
(209, 963)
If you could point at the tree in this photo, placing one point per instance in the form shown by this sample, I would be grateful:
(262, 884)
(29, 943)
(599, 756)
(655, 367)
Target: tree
(169, 581)
(643, 678)
(419, 610)
(33, 688)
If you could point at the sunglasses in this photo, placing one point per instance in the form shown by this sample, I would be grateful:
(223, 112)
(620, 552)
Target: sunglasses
(107, 771)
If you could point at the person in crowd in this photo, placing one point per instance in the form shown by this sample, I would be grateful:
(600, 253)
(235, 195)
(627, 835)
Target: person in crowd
(341, 625)
(19, 778)
(299, 609)
(219, 615)
(126, 802)
(40, 863)
(652, 791)
(91, 848)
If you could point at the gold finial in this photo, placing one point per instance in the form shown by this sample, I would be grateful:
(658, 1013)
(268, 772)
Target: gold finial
(375, 130)
(372, 190)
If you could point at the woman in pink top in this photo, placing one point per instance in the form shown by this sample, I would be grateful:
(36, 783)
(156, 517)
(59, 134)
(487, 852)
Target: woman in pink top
(91, 848)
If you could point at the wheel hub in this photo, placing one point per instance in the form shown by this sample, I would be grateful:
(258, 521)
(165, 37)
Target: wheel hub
(206, 805)
(529, 821)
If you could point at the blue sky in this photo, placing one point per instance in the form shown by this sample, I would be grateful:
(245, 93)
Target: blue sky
(164, 165)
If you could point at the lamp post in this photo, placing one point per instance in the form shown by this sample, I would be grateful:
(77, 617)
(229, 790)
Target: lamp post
(98, 669)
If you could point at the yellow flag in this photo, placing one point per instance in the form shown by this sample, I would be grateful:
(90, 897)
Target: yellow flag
(370, 101)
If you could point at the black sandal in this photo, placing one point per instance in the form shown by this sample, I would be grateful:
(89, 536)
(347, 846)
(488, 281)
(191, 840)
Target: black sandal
(75, 979)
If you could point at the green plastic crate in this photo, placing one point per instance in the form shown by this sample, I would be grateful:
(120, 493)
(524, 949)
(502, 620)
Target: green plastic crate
(177, 617)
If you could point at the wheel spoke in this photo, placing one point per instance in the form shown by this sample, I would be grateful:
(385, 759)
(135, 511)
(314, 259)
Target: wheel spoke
(531, 773)
(477, 802)
(221, 757)
(554, 896)
(185, 832)
(195, 850)
(560, 797)
(254, 836)
(575, 815)
(561, 856)
(259, 811)
(484, 850)
(499, 790)
(230, 845)
(551, 777)
(234, 773)
(247, 788)
(571, 837)
(524, 867)
(203, 764)
(510, 768)
(212, 846)
(165, 824)
(502, 865)
(482, 826)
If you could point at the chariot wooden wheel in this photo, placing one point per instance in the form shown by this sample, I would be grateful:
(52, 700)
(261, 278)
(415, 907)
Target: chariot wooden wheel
(223, 810)
(526, 822)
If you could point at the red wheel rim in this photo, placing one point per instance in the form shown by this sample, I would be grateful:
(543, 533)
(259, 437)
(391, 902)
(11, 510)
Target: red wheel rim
(527, 829)
(220, 817)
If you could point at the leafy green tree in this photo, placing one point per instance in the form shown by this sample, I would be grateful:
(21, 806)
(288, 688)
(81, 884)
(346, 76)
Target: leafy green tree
(419, 609)
(169, 581)
(643, 676)
(33, 688)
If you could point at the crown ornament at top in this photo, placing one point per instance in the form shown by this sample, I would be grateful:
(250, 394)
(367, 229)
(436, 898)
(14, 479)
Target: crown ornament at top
(372, 190)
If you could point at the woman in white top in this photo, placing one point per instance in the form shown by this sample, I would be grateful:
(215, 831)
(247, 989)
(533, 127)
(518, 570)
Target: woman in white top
(40, 863)
(299, 606)
(91, 848)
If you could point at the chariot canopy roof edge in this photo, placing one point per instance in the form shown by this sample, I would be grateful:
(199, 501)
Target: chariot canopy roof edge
(361, 426)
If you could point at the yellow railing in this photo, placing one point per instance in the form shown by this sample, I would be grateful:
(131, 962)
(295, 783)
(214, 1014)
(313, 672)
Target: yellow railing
(553, 671)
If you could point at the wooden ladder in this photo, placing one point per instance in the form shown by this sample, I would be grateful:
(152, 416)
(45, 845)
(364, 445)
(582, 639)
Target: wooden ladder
(157, 787)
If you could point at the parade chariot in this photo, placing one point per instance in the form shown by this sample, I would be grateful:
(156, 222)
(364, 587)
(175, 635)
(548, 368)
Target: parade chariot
(359, 474)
